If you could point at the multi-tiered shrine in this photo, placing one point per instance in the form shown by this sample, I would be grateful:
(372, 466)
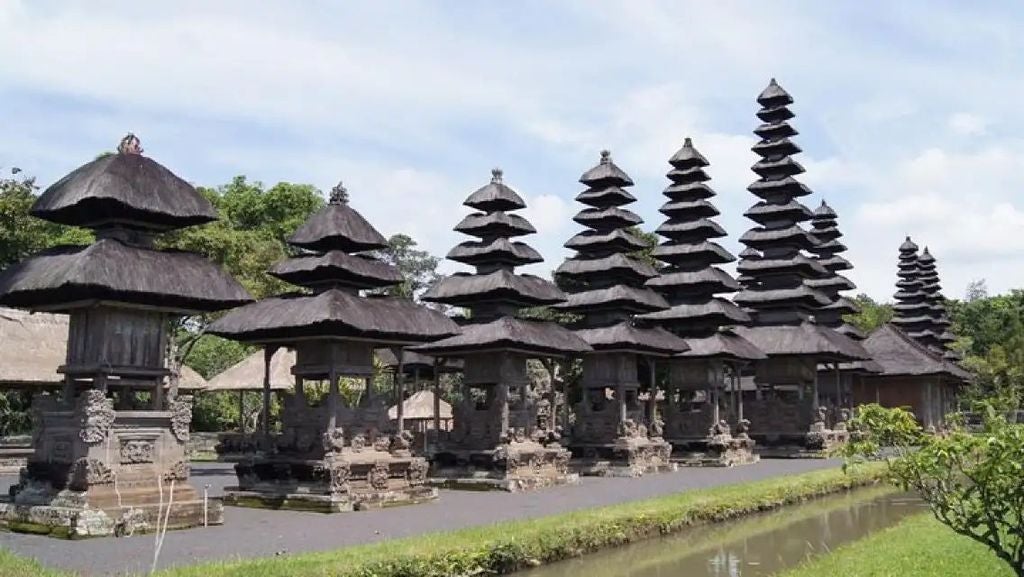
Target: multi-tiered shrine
(940, 323)
(787, 409)
(692, 282)
(98, 470)
(613, 434)
(332, 456)
(498, 440)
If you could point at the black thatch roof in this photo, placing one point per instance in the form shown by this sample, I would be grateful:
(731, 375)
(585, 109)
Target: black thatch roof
(707, 252)
(606, 173)
(125, 188)
(413, 361)
(338, 227)
(798, 297)
(495, 196)
(707, 281)
(336, 267)
(463, 289)
(624, 337)
(804, 339)
(716, 311)
(724, 344)
(494, 224)
(605, 196)
(623, 297)
(618, 240)
(616, 264)
(900, 355)
(511, 334)
(334, 313)
(112, 270)
(499, 250)
(612, 217)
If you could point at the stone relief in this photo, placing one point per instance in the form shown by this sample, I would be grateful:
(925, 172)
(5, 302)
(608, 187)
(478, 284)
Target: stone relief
(378, 476)
(135, 451)
(97, 416)
(181, 418)
(86, 472)
(179, 471)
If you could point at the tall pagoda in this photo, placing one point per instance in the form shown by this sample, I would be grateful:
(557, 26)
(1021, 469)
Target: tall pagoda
(828, 253)
(691, 282)
(913, 312)
(929, 277)
(613, 434)
(498, 439)
(96, 469)
(779, 298)
(333, 456)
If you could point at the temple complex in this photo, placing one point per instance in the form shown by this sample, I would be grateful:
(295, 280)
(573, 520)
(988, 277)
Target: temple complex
(787, 413)
(691, 282)
(98, 468)
(940, 323)
(613, 433)
(333, 456)
(501, 437)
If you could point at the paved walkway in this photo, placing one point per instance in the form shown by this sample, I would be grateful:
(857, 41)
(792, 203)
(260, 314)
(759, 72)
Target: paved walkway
(262, 533)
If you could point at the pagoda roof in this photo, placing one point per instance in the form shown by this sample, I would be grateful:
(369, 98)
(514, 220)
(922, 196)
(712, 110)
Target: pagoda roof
(606, 218)
(779, 147)
(333, 314)
(750, 253)
(701, 228)
(612, 264)
(618, 240)
(605, 196)
(825, 212)
(464, 289)
(797, 264)
(626, 337)
(413, 361)
(360, 271)
(497, 250)
(908, 246)
(850, 331)
(495, 195)
(774, 95)
(690, 208)
(775, 113)
(715, 310)
(901, 355)
(687, 157)
(125, 188)
(606, 172)
(842, 305)
(541, 338)
(677, 252)
(804, 339)
(836, 282)
(633, 299)
(762, 238)
(111, 270)
(787, 187)
(724, 344)
(775, 130)
(686, 191)
(496, 223)
(764, 212)
(774, 167)
(337, 226)
(801, 295)
(710, 279)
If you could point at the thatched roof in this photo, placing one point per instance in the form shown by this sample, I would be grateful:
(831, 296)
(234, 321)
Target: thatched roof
(247, 374)
(774, 95)
(605, 173)
(334, 313)
(508, 333)
(715, 310)
(724, 344)
(33, 345)
(900, 355)
(124, 187)
(764, 212)
(462, 289)
(607, 218)
(617, 240)
(338, 227)
(616, 264)
(420, 406)
(494, 251)
(495, 224)
(804, 339)
(413, 361)
(708, 252)
(605, 196)
(628, 338)
(495, 196)
(112, 270)
(623, 297)
(358, 271)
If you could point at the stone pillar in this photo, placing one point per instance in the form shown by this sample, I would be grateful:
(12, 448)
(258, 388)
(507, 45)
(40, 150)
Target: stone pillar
(501, 397)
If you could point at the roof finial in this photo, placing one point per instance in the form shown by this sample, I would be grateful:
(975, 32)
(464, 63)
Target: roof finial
(606, 156)
(496, 174)
(130, 144)
(687, 142)
(339, 194)
(772, 81)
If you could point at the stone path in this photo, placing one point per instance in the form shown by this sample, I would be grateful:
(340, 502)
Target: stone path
(262, 533)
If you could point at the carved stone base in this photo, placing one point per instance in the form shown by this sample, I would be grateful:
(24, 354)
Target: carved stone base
(513, 467)
(718, 451)
(627, 457)
(818, 443)
(345, 482)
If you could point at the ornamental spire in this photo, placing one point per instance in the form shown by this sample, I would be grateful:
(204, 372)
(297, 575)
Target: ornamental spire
(339, 194)
(130, 144)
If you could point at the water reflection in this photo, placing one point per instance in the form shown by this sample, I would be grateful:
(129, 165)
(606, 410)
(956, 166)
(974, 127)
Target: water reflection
(752, 547)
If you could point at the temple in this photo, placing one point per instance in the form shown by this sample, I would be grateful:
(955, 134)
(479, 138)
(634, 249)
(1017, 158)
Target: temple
(613, 433)
(786, 414)
(692, 280)
(502, 437)
(333, 456)
(98, 468)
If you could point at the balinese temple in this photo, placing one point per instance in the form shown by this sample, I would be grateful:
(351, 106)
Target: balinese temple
(786, 412)
(333, 456)
(97, 469)
(698, 422)
(498, 439)
(918, 370)
(613, 433)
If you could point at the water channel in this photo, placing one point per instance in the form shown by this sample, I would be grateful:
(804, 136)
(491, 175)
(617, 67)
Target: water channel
(756, 546)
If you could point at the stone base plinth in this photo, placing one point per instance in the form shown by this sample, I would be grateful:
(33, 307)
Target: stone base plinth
(714, 452)
(513, 467)
(626, 457)
(348, 481)
(818, 443)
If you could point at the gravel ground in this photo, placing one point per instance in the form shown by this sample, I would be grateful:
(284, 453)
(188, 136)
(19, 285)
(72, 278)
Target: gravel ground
(262, 533)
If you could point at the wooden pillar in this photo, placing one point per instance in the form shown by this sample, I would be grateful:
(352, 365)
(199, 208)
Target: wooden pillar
(502, 400)
(241, 411)
(333, 394)
(268, 355)
(738, 384)
(400, 390)
(565, 394)
(652, 399)
(620, 396)
(839, 386)
(437, 396)
(815, 401)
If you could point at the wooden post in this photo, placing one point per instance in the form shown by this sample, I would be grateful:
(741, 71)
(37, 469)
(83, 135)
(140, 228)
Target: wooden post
(738, 383)
(565, 394)
(332, 390)
(502, 394)
(620, 396)
(839, 386)
(400, 389)
(814, 391)
(241, 412)
(652, 399)
(268, 355)
(437, 396)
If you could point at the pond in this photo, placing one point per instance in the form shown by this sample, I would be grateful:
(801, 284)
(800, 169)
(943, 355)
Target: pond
(755, 546)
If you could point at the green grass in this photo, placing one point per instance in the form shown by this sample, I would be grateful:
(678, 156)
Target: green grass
(507, 547)
(13, 566)
(919, 546)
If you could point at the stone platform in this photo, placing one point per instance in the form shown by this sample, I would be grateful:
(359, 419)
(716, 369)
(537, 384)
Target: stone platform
(626, 457)
(720, 448)
(513, 466)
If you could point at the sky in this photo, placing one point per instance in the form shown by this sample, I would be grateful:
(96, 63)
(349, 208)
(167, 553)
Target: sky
(909, 112)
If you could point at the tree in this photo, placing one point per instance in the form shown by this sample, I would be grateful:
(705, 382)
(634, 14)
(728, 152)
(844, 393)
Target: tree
(21, 234)
(872, 314)
(973, 481)
(418, 267)
(645, 254)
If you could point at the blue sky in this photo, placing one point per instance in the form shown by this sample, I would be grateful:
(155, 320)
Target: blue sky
(909, 112)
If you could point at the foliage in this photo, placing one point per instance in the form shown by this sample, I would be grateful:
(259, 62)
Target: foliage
(22, 235)
(418, 267)
(991, 331)
(645, 254)
(507, 547)
(14, 413)
(871, 315)
(916, 547)
(972, 480)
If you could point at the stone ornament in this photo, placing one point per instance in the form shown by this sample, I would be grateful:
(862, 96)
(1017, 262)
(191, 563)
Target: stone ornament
(340, 473)
(334, 440)
(181, 418)
(179, 471)
(86, 472)
(378, 476)
(418, 471)
(134, 451)
(98, 415)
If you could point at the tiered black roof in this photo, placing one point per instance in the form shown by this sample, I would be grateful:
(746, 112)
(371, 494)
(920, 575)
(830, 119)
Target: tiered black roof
(900, 355)
(912, 312)
(929, 277)
(691, 280)
(126, 198)
(333, 307)
(494, 293)
(775, 288)
(607, 283)
(827, 253)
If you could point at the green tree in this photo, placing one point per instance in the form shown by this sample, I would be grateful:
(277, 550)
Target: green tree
(645, 254)
(418, 267)
(872, 314)
(21, 234)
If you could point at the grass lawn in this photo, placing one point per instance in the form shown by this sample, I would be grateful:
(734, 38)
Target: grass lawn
(13, 566)
(919, 546)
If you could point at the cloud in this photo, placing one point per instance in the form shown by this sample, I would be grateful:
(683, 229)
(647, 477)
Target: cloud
(967, 124)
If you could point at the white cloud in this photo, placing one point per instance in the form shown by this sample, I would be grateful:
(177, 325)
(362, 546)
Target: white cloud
(967, 124)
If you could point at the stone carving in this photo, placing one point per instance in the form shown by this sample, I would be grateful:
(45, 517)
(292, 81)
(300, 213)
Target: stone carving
(844, 418)
(179, 471)
(378, 475)
(61, 449)
(97, 416)
(86, 472)
(340, 473)
(334, 440)
(136, 451)
(382, 443)
(418, 471)
(181, 418)
(358, 443)
(743, 429)
(402, 443)
(657, 428)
